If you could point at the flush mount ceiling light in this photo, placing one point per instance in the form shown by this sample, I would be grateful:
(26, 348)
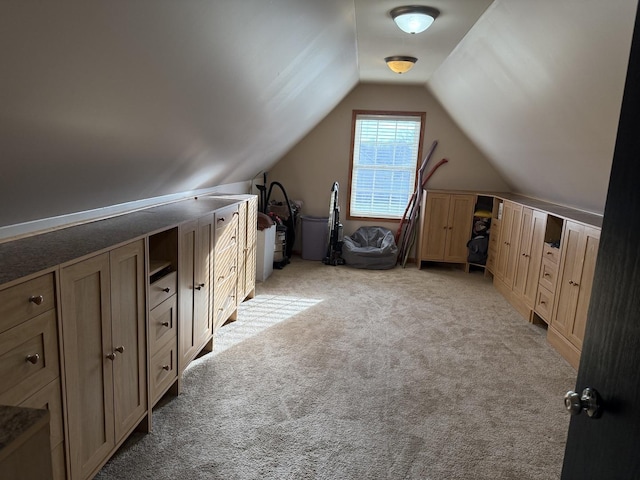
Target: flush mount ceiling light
(400, 64)
(415, 18)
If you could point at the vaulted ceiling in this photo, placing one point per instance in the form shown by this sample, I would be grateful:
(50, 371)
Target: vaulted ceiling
(109, 102)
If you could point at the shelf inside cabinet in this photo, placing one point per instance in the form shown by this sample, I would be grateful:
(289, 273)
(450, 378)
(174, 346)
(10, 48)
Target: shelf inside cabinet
(156, 266)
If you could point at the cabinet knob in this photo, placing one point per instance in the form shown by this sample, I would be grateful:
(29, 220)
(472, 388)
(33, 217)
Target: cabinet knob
(165, 324)
(37, 299)
(111, 356)
(120, 349)
(571, 282)
(547, 274)
(199, 286)
(221, 219)
(33, 359)
(166, 290)
(166, 367)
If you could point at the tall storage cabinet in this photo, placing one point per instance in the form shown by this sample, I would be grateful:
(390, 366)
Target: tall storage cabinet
(529, 258)
(510, 225)
(103, 303)
(247, 235)
(446, 227)
(195, 245)
(575, 278)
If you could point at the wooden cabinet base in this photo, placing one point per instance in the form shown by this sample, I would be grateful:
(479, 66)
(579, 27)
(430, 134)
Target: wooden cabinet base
(514, 299)
(568, 351)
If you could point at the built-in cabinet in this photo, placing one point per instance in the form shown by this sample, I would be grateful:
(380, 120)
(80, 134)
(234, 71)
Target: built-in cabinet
(575, 279)
(103, 302)
(29, 356)
(163, 313)
(541, 256)
(194, 282)
(226, 265)
(508, 243)
(99, 337)
(446, 226)
(247, 248)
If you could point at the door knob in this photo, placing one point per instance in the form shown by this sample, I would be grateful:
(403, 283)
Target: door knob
(590, 401)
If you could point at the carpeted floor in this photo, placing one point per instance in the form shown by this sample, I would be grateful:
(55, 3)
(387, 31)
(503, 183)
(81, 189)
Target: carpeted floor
(338, 373)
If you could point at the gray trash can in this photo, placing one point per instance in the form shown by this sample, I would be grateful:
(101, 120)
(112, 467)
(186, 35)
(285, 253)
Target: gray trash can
(314, 237)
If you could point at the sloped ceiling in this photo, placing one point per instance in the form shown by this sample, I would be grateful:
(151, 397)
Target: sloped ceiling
(537, 86)
(105, 102)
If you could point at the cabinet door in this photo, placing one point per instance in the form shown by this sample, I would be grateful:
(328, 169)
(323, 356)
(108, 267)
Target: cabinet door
(202, 319)
(242, 251)
(436, 217)
(509, 239)
(459, 224)
(86, 313)
(529, 256)
(128, 333)
(186, 283)
(194, 290)
(571, 256)
(250, 255)
(591, 242)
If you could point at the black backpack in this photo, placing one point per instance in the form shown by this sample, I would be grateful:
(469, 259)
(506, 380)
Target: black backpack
(478, 247)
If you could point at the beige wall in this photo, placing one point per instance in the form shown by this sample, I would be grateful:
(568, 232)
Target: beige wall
(322, 157)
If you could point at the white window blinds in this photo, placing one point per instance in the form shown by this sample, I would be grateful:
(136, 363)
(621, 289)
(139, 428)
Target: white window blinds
(385, 155)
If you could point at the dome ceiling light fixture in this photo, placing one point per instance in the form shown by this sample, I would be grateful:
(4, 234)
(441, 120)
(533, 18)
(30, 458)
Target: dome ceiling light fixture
(414, 18)
(400, 63)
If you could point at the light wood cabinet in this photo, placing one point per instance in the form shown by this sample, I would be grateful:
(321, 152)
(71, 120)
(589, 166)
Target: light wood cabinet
(225, 300)
(575, 279)
(247, 233)
(510, 227)
(103, 307)
(529, 258)
(446, 227)
(195, 324)
(29, 356)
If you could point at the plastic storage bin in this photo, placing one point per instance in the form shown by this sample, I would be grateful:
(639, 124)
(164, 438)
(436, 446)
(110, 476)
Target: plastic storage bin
(314, 237)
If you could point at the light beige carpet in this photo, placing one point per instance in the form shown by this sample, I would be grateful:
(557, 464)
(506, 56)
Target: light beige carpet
(338, 373)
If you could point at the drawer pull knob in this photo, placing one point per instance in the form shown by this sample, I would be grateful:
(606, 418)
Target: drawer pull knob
(166, 367)
(37, 299)
(165, 324)
(166, 290)
(120, 349)
(111, 356)
(549, 253)
(33, 359)
(221, 219)
(547, 274)
(199, 286)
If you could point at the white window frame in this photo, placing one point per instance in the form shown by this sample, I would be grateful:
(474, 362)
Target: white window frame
(395, 207)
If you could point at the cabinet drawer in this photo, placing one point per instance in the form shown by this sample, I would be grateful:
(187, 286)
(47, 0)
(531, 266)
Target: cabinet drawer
(162, 289)
(544, 303)
(548, 274)
(28, 357)
(163, 324)
(226, 225)
(26, 300)
(225, 266)
(551, 253)
(163, 371)
(225, 304)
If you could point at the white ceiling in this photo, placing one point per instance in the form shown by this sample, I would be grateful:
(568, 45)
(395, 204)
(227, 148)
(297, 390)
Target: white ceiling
(105, 102)
(379, 37)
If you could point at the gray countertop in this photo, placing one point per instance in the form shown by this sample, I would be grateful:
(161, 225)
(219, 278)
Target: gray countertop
(30, 255)
(15, 421)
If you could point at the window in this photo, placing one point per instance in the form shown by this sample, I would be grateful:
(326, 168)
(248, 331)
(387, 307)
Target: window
(385, 151)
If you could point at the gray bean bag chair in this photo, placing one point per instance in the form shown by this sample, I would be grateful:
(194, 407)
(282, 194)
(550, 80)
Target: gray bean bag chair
(370, 247)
